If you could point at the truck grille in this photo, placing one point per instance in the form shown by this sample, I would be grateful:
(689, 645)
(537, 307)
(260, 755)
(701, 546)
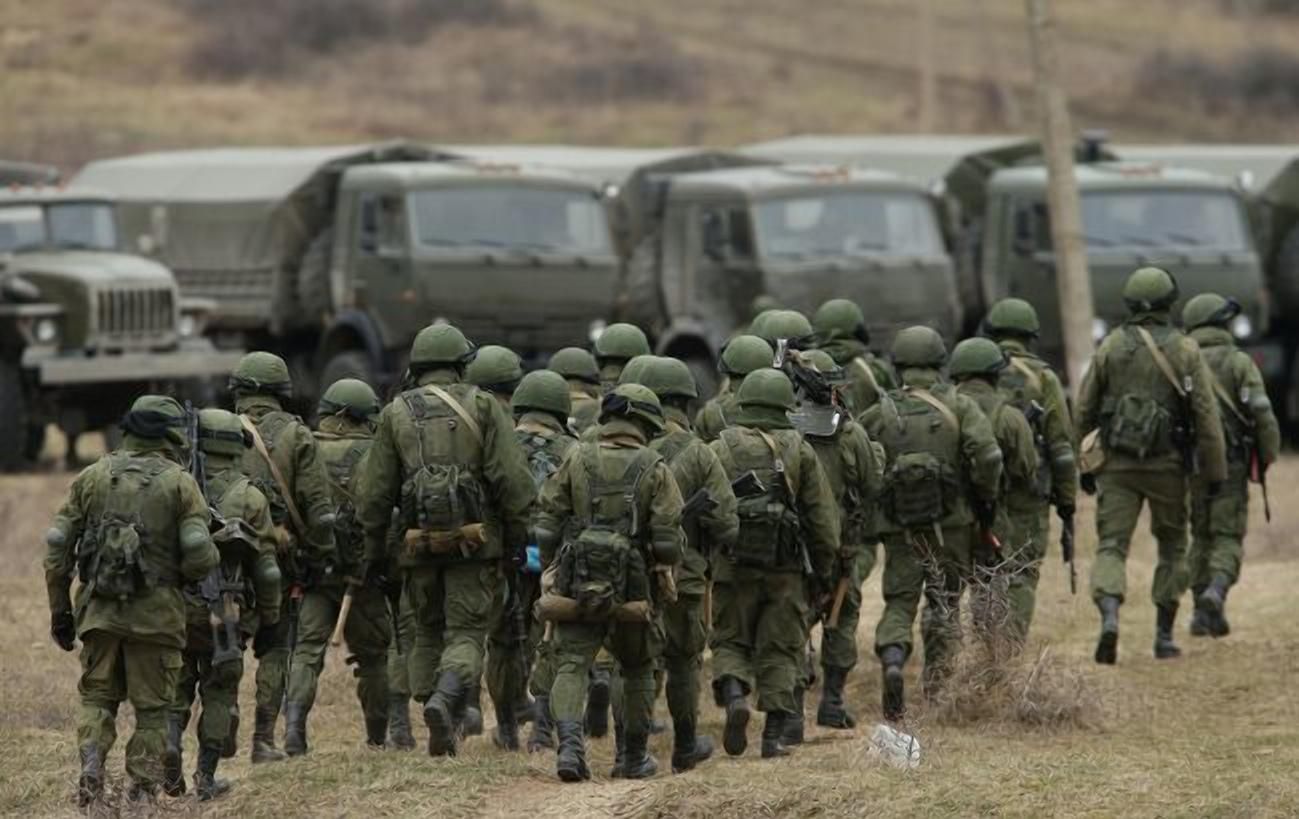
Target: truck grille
(132, 317)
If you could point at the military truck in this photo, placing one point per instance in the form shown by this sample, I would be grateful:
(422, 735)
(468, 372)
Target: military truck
(84, 328)
(337, 257)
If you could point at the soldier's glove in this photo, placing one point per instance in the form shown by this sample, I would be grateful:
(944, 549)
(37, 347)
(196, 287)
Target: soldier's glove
(1214, 489)
(1087, 482)
(265, 640)
(63, 629)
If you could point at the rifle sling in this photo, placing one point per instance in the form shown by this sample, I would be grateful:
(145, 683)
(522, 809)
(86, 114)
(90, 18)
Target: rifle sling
(1225, 399)
(1161, 361)
(933, 401)
(457, 408)
(1034, 380)
(276, 475)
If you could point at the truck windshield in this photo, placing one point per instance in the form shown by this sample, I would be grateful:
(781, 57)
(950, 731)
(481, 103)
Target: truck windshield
(846, 223)
(86, 225)
(21, 228)
(1151, 219)
(511, 217)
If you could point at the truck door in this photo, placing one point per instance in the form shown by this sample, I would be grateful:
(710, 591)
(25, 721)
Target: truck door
(724, 276)
(385, 288)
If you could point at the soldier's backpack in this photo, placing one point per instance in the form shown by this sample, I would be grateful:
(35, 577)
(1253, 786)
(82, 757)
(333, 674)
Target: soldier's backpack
(769, 523)
(1137, 423)
(340, 468)
(604, 566)
(543, 460)
(113, 560)
(922, 437)
(443, 449)
(1022, 386)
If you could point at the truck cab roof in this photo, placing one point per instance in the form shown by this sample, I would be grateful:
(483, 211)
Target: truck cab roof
(419, 175)
(763, 181)
(1112, 175)
(51, 194)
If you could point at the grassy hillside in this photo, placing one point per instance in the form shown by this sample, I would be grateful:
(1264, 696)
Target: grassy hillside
(86, 78)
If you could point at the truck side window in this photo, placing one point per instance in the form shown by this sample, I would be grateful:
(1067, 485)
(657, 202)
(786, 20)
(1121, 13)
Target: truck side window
(390, 225)
(1032, 227)
(726, 233)
(368, 234)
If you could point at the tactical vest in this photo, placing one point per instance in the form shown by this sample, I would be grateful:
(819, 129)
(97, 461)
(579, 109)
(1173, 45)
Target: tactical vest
(222, 492)
(922, 483)
(442, 457)
(1141, 415)
(340, 456)
(670, 447)
(770, 532)
(604, 566)
(844, 474)
(1021, 385)
(1236, 415)
(276, 428)
(119, 556)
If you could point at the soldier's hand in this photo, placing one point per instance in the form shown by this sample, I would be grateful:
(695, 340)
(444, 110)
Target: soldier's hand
(63, 630)
(1087, 482)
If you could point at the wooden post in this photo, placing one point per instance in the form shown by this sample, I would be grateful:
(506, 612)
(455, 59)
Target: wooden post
(926, 115)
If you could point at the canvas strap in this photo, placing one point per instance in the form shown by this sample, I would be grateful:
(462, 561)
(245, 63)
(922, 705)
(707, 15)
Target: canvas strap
(933, 401)
(1034, 380)
(276, 475)
(1225, 398)
(457, 408)
(1161, 361)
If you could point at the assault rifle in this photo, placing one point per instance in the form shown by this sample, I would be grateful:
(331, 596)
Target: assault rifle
(1067, 551)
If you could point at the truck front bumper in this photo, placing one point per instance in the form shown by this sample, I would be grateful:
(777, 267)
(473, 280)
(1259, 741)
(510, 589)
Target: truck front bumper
(189, 361)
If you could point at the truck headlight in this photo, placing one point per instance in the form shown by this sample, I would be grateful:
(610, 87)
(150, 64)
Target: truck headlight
(187, 326)
(595, 330)
(1241, 326)
(46, 331)
(1100, 329)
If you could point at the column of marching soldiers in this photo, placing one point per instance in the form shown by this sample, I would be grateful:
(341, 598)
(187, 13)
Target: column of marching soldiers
(573, 537)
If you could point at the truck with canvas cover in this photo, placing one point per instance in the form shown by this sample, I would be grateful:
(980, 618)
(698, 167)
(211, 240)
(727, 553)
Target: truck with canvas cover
(336, 257)
(84, 327)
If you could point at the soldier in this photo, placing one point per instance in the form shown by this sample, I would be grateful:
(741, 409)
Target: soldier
(285, 467)
(583, 376)
(622, 502)
(1253, 442)
(711, 526)
(788, 537)
(353, 593)
(1150, 394)
(250, 576)
(495, 370)
(942, 474)
(841, 331)
(1035, 389)
(133, 529)
(445, 453)
(791, 326)
(743, 355)
(618, 344)
(854, 467)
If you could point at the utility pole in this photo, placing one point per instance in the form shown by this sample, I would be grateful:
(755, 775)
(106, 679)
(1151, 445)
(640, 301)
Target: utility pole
(925, 117)
(1073, 282)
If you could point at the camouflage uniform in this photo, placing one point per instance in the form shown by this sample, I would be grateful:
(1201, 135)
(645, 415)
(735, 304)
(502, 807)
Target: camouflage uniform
(743, 355)
(128, 613)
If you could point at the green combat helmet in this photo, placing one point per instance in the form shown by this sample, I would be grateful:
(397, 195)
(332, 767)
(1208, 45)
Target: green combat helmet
(440, 344)
(1150, 289)
(975, 357)
(350, 397)
(261, 373)
(767, 388)
(633, 401)
(823, 363)
(495, 369)
(840, 318)
(670, 378)
(574, 362)
(157, 417)
(1012, 317)
(543, 391)
(1209, 310)
(221, 433)
(919, 346)
(621, 342)
(774, 325)
(634, 372)
(744, 354)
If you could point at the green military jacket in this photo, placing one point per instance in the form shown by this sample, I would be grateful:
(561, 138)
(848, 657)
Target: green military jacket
(497, 460)
(696, 467)
(854, 468)
(586, 406)
(977, 461)
(343, 446)
(1245, 409)
(566, 498)
(718, 413)
(1123, 364)
(868, 376)
(1030, 379)
(169, 502)
(1014, 436)
(293, 449)
(546, 443)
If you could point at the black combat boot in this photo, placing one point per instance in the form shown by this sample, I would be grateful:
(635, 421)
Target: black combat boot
(231, 746)
(470, 714)
(376, 731)
(638, 763)
(1214, 600)
(570, 762)
(399, 733)
(173, 774)
(619, 751)
(90, 785)
(773, 733)
(794, 726)
(1219, 627)
(1107, 647)
(295, 729)
(206, 783)
(1201, 619)
(688, 748)
(893, 699)
(506, 735)
(832, 713)
(142, 793)
(597, 703)
(735, 738)
(264, 749)
(543, 730)
(440, 714)
(1165, 648)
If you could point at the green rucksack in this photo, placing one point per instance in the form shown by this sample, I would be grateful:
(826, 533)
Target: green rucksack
(340, 467)
(112, 560)
(922, 437)
(1137, 423)
(442, 448)
(1022, 386)
(770, 529)
(604, 565)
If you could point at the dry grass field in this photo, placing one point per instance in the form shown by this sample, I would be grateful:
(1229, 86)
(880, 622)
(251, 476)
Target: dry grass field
(1213, 734)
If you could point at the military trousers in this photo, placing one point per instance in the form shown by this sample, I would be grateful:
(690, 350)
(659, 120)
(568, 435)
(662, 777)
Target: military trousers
(512, 642)
(921, 564)
(685, 636)
(839, 644)
(634, 646)
(759, 633)
(1120, 496)
(1023, 564)
(399, 649)
(273, 662)
(1218, 528)
(453, 604)
(117, 669)
(216, 687)
(368, 632)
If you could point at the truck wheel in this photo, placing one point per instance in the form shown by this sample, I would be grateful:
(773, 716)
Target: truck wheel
(15, 432)
(314, 293)
(347, 364)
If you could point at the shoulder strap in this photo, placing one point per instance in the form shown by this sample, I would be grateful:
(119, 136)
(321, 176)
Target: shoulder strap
(1161, 360)
(860, 363)
(289, 503)
(1028, 372)
(1225, 398)
(780, 460)
(457, 408)
(933, 401)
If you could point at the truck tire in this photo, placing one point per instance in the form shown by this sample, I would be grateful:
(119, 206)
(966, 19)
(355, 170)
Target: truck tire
(15, 430)
(314, 293)
(347, 364)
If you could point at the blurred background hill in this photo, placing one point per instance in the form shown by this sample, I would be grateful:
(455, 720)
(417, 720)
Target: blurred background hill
(86, 78)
